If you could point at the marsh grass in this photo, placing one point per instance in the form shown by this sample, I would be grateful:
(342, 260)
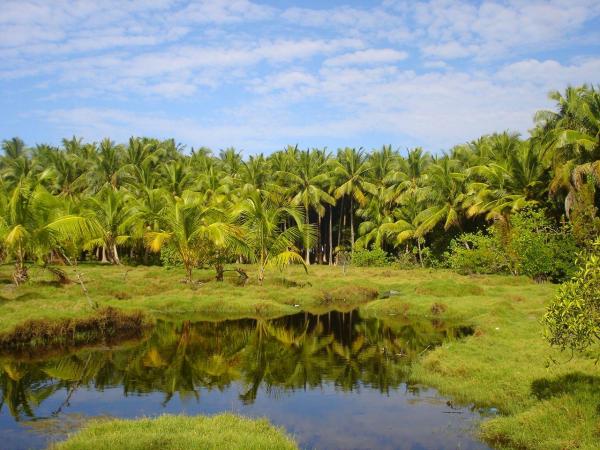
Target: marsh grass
(506, 364)
(179, 433)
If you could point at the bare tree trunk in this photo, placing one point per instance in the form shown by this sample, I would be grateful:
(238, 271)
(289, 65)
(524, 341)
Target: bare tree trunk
(306, 244)
(330, 259)
(339, 237)
(104, 260)
(116, 255)
(319, 246)
(352, 225)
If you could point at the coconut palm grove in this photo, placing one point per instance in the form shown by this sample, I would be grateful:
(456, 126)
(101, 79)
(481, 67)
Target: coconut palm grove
(499, 205)
(183, 265)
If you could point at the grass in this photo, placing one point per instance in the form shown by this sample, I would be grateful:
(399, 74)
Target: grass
(506, 364)
(179, 433)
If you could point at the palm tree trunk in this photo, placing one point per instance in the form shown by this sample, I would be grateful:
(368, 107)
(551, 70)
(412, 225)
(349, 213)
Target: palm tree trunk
(351, 225)
(306, 244)
(115, 255)
(20, 275)
(188, 271)
(104, 260)
(220, 271)
(319, 246)
(330, 259)
(339, 238)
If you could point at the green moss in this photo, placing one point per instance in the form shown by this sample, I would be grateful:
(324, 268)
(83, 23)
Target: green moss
(179, 433)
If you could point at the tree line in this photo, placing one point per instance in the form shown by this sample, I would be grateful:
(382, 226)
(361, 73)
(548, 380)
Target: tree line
(149, 200)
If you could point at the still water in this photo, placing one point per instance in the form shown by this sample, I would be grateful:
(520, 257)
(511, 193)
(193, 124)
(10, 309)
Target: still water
(337, 380)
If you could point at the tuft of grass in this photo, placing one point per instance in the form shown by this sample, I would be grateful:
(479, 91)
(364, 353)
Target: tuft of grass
(179, 433)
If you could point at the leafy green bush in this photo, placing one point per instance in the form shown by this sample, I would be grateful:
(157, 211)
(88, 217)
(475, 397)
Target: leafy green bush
(573, 319)
(170, 257)
(539, 250)
(376, 257)
(477, 253)
(405, 260)
(527, 245)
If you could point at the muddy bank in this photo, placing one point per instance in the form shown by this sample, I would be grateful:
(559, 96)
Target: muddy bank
(105, 325)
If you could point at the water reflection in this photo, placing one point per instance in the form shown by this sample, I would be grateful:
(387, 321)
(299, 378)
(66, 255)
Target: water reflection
(339, 352)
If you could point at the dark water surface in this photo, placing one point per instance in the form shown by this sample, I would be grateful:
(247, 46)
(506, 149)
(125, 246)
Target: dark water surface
(333, 381)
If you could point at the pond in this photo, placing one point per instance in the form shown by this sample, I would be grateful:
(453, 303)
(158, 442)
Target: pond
(337, 380)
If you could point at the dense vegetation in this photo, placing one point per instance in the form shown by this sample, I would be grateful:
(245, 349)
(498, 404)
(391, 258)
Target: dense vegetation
(115, 202)
(499, 204)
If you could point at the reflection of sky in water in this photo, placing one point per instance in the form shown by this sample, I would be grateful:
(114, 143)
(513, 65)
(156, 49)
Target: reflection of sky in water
(321, 418)
(325, 416)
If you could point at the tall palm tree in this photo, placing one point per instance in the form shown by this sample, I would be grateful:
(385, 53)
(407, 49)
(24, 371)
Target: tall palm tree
(445, 190)
(307, 181)
(352, 170)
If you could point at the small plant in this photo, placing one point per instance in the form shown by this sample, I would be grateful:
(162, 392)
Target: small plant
(376, 257)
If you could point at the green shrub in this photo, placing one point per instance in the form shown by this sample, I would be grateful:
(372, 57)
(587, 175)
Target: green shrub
(573, 319)
(376, 257)
(405, 260)
(528, 245)
(539, 250)
(477, 253)
(169, 257)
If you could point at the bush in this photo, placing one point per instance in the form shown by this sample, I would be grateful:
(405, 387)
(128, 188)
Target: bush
(376, 257)
(169, 257)
(528, 245)
(477, 253)
(405, 260)
(573, 319)
(539, 250)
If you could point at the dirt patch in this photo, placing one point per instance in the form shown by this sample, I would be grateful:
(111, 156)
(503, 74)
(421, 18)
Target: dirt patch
(107, 323)
(438, 308)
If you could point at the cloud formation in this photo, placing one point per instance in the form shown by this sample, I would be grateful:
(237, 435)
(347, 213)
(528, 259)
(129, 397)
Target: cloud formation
(258, 76)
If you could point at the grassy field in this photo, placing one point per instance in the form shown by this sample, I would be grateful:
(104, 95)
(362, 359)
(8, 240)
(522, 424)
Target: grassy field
(179, 433)
(506, 364)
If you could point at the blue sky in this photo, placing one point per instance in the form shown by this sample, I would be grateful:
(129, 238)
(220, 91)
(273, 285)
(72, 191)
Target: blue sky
(260, 75)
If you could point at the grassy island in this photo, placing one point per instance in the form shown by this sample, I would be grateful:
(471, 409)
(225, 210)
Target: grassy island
(179, 433)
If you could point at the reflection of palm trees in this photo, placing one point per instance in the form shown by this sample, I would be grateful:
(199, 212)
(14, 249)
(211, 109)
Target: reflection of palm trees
(295, 352)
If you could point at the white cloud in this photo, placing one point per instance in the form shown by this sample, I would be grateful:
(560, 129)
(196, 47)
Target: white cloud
(369, 56)
(261, 76)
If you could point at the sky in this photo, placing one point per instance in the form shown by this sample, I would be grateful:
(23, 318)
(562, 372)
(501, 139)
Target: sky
(260, 75)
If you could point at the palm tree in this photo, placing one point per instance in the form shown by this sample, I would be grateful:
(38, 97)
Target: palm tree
(571, 138)
(33, 225)
(107, 168)
(263, 223)
(113, 216)
(307, 181)
(194, 230)
(445, 190)
(352, 170)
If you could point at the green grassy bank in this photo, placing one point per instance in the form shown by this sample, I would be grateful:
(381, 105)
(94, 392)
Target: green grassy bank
(506, 364)
(179, 433)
